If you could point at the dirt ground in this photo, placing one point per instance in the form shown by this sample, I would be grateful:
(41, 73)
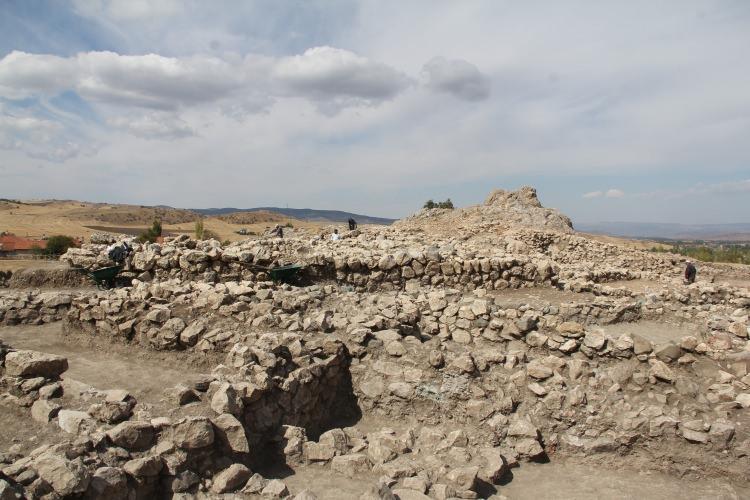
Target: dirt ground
(566, 480)
(655, 331)
(514, 297)
(20, 264)
(21, 434)
(145, 374)
(637, 286)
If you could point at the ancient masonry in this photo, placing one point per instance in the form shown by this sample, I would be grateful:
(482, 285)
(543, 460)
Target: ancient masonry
(444, 326)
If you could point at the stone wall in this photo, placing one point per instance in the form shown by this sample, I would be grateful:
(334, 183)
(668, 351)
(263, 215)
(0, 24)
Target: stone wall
(112, 453)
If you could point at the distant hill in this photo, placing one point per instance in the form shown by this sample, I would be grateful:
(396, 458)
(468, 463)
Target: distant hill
(656, 230)
(307, 214)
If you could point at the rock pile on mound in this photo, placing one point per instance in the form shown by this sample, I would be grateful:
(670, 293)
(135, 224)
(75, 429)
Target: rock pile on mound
(501, 210)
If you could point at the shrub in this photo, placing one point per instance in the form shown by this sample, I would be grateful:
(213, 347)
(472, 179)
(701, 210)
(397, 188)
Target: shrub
(199, 230)
(440, 204)
(58, 245)
(156, 228)
(152, 233)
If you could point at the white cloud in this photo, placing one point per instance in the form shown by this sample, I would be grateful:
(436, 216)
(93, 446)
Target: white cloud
(37, 138)
(154, 126)
(321, 74)
(153, 81)
(610, 193)
(457, 77)
(330, 74)
(593, 194)
(23, 75)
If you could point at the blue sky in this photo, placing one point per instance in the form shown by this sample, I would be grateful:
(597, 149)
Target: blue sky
(634, 111)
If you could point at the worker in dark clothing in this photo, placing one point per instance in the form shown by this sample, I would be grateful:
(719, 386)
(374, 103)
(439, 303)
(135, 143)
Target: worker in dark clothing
(277, 231)
(119, 253)
(690, 272)
(352, 224)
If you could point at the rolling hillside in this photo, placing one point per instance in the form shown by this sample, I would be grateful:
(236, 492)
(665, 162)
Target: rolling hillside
(306, 214)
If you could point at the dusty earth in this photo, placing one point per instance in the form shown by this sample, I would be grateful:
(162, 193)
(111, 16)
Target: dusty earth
(105, 366)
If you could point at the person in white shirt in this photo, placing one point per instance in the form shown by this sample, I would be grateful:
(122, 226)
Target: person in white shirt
(335, 236)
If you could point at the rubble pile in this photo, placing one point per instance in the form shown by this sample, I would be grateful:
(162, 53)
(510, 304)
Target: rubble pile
(33, 307)
(118, 450)
(424, 360)
(502, 209)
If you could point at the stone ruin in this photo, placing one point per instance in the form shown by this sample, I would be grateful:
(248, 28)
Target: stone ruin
(474, 352)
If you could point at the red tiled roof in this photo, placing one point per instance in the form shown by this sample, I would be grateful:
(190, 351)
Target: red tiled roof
(12, 243)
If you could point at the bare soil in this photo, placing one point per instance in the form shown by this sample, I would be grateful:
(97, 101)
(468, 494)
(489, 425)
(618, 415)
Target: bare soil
(21, 434)
(511, 297)
(145, 374)
(637, 286)
(655, 331)
(20, 264)
(566, 480)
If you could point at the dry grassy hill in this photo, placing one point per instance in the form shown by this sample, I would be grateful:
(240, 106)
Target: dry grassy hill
(261, 216)
(40, 219)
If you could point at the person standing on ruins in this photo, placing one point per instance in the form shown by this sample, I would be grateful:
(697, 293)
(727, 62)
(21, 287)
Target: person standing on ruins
(335, 236)
(277, 231)
(690, 273)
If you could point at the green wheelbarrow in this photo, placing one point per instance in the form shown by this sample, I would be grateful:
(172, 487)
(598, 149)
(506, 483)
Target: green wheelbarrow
(105, 277)
(283, 274)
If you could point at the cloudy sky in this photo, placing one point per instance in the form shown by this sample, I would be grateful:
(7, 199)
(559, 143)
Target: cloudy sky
(635, 111)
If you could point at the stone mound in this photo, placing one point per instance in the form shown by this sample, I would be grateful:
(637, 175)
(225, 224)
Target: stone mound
(523, 198)
(501, 210)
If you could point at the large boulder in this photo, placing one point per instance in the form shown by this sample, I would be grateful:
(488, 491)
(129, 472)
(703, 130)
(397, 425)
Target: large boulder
(144, 467)
(231, 432)
(231, 478)
(193, 432)
(73, 421)
(109, 483)
(34, 364)
(66, 477)
(132, 435)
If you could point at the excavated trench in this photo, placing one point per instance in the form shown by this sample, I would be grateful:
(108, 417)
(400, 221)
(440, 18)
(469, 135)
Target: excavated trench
(340, 395)
(316, 398)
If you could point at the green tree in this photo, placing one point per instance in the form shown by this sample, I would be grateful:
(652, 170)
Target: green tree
(429, 204)
(152, 233)
(446, 204)
(58, 245)
(156, 228)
